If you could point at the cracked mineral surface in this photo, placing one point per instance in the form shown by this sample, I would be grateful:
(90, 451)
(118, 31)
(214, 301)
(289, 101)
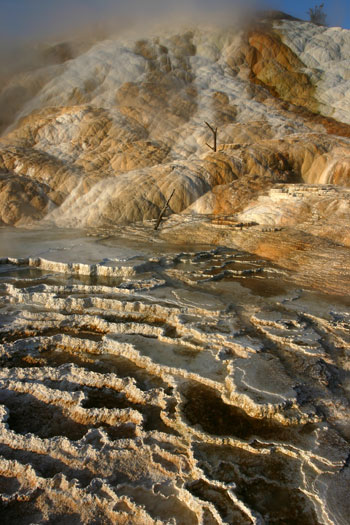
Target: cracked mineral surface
(153, 383)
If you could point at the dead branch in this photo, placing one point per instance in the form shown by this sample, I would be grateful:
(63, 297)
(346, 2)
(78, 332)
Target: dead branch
(163, 211)
(214, 132)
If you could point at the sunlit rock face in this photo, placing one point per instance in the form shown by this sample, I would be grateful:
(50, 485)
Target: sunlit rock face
(98, 119)
(197, 374)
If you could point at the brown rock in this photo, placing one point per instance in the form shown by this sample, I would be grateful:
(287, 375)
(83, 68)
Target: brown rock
(21, 200)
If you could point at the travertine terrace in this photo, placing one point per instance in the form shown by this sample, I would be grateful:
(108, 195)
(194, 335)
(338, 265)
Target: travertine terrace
(197, 374)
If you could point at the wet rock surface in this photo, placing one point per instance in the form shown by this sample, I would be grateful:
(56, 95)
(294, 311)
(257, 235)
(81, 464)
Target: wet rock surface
(197, 386)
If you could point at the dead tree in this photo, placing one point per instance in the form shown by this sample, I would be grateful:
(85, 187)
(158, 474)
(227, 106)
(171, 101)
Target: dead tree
(163, 211)
(214, 132)
(317, 15)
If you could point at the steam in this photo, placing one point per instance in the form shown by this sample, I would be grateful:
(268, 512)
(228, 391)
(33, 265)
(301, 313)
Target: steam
(37, 34)
(38, 19)
(25, 26)
(34, 21)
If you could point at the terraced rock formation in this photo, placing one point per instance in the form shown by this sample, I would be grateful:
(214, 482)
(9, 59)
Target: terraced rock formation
(193, 387)
(197, 374)
(130, 112)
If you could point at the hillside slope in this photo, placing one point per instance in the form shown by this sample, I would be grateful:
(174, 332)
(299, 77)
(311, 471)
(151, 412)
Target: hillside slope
(130, 113)
(103, 135)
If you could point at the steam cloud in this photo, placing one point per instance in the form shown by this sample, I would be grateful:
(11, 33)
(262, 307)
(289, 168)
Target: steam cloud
(37, 19)
(26, 26)
(29, 27)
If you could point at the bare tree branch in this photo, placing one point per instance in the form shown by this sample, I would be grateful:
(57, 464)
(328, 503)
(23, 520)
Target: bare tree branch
(214, 132)
(163, 211)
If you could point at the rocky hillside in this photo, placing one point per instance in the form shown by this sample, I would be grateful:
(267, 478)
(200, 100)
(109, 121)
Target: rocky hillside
(101, 134)
(129, 115)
